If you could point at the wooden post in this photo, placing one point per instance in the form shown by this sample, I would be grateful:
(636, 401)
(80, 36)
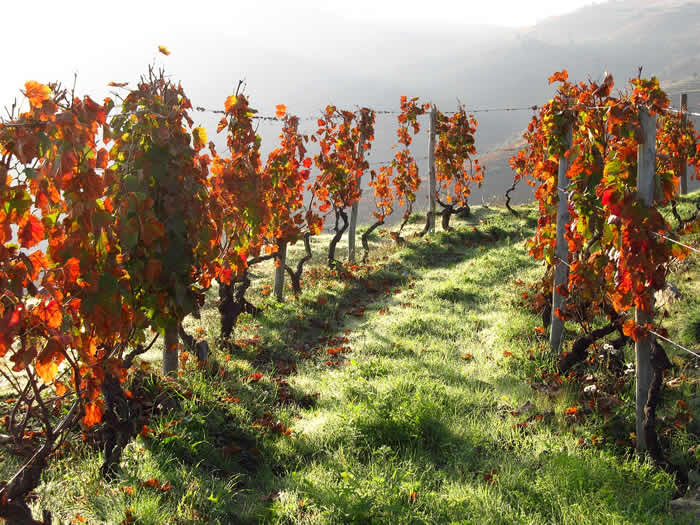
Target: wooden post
(351, 231)
(170, 350)
(684, 161)
(646, 186)
(280, 262)
(431, 165)
(561, 251)
(353, 216)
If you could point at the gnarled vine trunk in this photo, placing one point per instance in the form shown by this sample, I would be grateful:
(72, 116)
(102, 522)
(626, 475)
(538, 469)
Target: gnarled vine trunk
(232, 303)
(13, 494)
(508, 199)
(448, 210)
(659, 363)
(365, 239)
(339, 231)
(119, 421)
(295, 275)
(579, 349)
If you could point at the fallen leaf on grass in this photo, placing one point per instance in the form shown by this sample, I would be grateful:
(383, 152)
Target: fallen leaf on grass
(153, 483)
(490, 477)
(253, 378)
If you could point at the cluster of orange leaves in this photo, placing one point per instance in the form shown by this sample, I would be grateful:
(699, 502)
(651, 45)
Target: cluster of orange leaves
(455, 149)
(617, 255)
(400, 179)
(344, 137)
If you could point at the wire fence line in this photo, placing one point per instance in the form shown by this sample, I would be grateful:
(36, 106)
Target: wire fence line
(676, 242)
(674, 343)
(387, 112)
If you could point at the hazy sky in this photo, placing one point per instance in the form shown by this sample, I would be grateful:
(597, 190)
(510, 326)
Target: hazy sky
(46, 40)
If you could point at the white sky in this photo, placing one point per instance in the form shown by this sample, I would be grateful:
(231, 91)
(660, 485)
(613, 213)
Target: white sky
(222, 41)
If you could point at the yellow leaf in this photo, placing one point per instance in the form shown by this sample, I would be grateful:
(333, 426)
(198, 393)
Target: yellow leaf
(164, 50)
(36, 92)
(200, 137)
(230, 102)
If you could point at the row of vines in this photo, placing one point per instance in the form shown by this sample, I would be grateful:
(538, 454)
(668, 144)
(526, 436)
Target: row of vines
(118, 217)
(618, 247)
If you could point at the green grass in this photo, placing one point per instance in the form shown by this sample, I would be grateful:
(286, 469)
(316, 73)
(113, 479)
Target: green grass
(399, 428)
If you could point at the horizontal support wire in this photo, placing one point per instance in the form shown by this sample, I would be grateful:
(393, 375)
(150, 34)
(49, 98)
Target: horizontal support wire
(673, 343)
(562, 261)
(676, 242)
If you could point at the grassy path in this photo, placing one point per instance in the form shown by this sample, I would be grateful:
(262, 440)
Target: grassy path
(397, 395)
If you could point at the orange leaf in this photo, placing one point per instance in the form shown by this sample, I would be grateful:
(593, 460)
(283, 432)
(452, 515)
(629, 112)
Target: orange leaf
(164, 50)
(507, 353)
(48, 360)
(559, 76)
(151, 483)
(71, 269)
(61, 388)
(31, 233)
(36, 92)
(229, 103)
(50, 313)
(93, 413)
(280, 110)
(254, 378)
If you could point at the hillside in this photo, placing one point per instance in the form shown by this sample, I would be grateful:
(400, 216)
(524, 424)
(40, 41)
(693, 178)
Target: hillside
(415, 389)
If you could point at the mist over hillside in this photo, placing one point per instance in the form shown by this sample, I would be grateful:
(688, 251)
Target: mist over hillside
(491, 67)
(355, 61)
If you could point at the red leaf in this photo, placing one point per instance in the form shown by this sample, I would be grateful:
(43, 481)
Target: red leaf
(31, 233)
(254, 378)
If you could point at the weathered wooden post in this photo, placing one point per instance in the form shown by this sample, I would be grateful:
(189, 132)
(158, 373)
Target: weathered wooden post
(353, 216)
(280, 262)
(561, 251)
(684, 161)
(431, 166)
(646, 186)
